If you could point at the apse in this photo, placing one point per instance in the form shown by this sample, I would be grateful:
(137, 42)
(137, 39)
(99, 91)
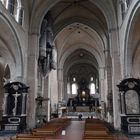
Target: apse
(81, 74)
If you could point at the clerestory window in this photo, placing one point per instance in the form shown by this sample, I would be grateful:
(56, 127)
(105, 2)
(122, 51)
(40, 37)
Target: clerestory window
(15, 9)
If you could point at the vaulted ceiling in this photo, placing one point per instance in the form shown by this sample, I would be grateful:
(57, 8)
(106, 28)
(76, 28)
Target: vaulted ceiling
(78, 26)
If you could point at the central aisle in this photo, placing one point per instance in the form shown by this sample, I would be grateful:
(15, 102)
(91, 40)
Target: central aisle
(75, 130)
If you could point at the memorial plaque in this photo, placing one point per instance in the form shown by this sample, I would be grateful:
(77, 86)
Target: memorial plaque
(130, 105)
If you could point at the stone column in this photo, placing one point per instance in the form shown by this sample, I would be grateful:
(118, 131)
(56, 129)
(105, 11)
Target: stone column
(122, 107)
(102, 83)
(23, 111)
(116, 75)
(5, 104)
(53, 91)
(60, 84)
(46, 94)
(103, 89)
(109, 82)
(32, 78)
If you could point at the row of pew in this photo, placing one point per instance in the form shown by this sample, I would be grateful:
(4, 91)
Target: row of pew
(96, 129)
(49, 129)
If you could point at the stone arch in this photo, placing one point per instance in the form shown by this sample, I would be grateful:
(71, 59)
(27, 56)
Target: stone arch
(135, 62)
(94, 52)
(98, 35)
(10, 48)
(36, 23)
(131, 45)
(82, 64)
(94, 25)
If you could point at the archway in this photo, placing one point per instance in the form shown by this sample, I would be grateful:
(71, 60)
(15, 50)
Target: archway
(86, 31)
(132, 47)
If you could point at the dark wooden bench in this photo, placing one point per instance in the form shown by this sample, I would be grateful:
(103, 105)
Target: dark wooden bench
(50, 130)
(100, 138)
(96, 129)
(26, 138)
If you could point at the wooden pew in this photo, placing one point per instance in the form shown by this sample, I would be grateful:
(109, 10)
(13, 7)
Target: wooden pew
(96, 132)
(95, 129)
(27, 138)
(52, 128)
(99, 138)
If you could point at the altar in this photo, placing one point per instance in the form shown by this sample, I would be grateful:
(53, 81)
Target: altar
(83, 101)
(82, 109)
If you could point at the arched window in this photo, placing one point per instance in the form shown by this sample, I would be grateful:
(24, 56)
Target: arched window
(12, 6)
(7, 72)
(18, 12)
(74, 86)
(92, 88)
(68, 88)
(15, 8)
(92, 85)
(20, 16)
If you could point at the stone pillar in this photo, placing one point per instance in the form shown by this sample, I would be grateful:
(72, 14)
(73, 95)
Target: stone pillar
(103, 89)
(122, 107)
(108, 70)
(53, 91)
(60, 84)
(46, 94)
(101, 83)
(109, 85)
(116, 75)
(23, 111)
(49, 96)
(32, 78)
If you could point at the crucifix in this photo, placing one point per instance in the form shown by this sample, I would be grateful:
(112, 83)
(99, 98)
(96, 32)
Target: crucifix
(15, 108)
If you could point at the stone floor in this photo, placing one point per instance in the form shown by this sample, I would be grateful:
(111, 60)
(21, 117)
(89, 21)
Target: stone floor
(75, 132)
